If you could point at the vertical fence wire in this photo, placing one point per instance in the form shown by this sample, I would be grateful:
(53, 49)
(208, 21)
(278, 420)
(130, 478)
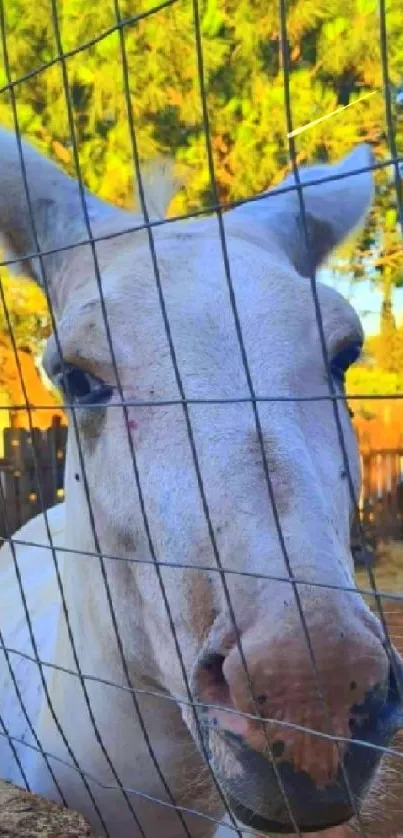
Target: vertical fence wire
(14, 554)
(324, 351)
(25, 603)
(92, 517)
(10, 668)
(325, 356)
(167, 606)
(39, 486)
(383, 39)
(129, 435)
(5, 732)
(258, 426)
(44, 511)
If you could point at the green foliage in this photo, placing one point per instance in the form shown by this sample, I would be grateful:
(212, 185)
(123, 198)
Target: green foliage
(381, 370)
(25, 305)
(373, 382)
(335, 59)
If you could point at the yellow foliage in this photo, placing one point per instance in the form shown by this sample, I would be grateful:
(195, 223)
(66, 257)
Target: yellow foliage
(23, 307)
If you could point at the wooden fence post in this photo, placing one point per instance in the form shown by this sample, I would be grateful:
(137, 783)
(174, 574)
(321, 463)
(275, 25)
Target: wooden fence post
(32, 474)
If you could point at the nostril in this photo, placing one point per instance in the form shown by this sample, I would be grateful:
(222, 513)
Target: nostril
(363, 701)
(213, 664)
(211, 685)
(213, 691)
(381, 708)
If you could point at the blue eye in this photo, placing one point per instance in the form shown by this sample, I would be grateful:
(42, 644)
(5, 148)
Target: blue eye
(341, 362)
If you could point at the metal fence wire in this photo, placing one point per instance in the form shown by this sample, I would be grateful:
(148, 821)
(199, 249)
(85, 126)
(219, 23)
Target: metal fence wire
(131, 796)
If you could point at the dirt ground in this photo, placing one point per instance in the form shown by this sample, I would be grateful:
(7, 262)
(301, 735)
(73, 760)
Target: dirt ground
(24, 815)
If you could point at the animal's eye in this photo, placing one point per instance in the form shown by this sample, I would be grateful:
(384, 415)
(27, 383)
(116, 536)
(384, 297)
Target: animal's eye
(340, 363)
(80, 387)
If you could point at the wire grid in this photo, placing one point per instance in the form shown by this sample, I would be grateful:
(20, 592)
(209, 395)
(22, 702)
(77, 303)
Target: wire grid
(130, 795)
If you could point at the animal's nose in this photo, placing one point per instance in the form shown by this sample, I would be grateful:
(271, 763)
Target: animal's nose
(321, 725)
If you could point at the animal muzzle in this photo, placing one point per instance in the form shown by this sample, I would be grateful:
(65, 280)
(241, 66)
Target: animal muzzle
(295, 734)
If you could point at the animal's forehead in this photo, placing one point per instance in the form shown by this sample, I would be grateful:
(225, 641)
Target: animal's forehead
(193, 273)
(193, 289)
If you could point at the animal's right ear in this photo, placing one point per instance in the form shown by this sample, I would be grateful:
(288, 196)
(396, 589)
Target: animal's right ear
(48, 213)
(336, 199)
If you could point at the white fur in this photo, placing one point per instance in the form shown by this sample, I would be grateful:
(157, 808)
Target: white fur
(267, 256)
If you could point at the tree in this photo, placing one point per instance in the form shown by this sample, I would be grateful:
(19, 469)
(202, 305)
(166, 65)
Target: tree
(23, 311)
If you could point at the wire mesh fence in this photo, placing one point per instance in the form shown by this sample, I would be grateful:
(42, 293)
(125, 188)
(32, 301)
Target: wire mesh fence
(147, 699)
(381, 502)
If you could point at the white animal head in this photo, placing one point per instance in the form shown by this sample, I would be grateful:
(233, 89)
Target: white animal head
(192, 487)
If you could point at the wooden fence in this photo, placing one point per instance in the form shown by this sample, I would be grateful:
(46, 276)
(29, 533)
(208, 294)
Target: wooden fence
(32, 471)
(381, 503)
(31, 474)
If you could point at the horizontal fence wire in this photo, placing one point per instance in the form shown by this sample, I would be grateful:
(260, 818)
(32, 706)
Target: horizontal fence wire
(175, 699)
(337, 739)
(185, 810)
(147, 227)
(139, 403)
(64, 56)
(247, 574)
(188, 400)
(205, 211)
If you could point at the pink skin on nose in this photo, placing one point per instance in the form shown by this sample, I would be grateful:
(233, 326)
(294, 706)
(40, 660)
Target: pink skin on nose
(285, 691)
(133, 425)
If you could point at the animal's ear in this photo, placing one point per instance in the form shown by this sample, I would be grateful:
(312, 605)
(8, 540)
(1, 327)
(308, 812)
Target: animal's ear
(160, 184)
(53, 206)
(334, 205)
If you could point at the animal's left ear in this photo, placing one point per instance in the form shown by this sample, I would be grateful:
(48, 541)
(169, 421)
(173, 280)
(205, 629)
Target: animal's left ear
(54, 209)
(336, 204)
